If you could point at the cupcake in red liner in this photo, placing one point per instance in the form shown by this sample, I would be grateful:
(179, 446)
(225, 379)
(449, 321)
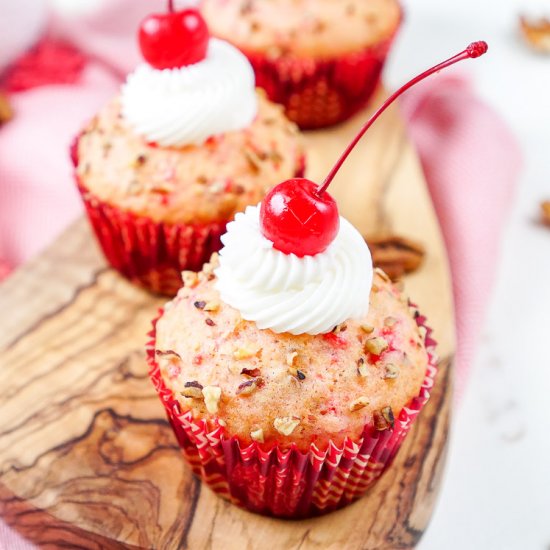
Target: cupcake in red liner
(321, 59)
(288, 481)
(290, 369)
(148, 253)
(187, 144)
(295, 398)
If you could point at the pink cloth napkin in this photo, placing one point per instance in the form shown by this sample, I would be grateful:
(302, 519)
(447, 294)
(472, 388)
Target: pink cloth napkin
(470, 159)
(472, 163)
(37, 196)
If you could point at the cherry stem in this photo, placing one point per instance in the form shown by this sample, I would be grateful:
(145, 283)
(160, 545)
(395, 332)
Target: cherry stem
(171, 6)
(476, 49)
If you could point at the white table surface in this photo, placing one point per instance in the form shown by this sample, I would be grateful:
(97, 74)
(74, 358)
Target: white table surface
(496, 492)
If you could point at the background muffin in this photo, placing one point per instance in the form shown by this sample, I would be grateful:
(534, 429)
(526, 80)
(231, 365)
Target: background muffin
(193, 184)
(320, 58)
(169, 162)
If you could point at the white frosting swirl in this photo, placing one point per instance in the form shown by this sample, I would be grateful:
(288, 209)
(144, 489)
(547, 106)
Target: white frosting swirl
(185, 106)
(285, 293)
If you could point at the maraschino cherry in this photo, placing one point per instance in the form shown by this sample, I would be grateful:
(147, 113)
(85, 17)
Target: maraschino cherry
(298, 215)
(173, 39)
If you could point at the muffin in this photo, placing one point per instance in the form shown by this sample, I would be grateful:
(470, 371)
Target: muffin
(290, 381)
(321, 59)
(166, 164)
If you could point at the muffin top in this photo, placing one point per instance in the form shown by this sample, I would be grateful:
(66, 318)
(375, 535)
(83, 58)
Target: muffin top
(303, 27)
(189, 184)
(284, 388)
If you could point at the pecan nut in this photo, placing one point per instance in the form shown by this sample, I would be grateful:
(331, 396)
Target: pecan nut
(536, 33)
(395, 255)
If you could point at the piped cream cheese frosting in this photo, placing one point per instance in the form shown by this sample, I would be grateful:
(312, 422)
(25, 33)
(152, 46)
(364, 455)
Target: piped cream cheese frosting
(187, 105)
(286, 293)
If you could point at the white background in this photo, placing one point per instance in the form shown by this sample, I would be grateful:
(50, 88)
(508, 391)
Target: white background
(496, 493)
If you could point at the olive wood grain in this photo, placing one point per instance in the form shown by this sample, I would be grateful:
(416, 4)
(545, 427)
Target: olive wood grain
(87, 459)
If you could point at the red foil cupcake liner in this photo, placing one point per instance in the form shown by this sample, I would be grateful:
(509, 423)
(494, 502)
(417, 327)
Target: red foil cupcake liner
(151, 254)
(288, 483)
(321, 92)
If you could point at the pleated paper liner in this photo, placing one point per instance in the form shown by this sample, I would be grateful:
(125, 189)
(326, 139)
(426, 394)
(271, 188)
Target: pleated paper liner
(151, 254)
(321, 92)
(288, 483)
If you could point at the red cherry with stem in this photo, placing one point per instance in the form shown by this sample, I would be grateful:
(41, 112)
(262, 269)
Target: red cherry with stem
(297, 220)
(174, 39)
(300, 217)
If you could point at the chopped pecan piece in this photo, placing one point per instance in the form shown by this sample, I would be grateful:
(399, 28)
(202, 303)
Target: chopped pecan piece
(167, 353)
(396, 255)
(192, 389)
(212, 306)
(257, 435)
(250, 386)
(361, 367)
(383, 419)
(285, 425)
(358, 403)
(292, 369)
(212, 395)
(251, 372)
(297, 373)
(391, 371)
(536, 33)
(291, 357)
(245, 352)
(368, 329)
(376, 345)
(170, 361)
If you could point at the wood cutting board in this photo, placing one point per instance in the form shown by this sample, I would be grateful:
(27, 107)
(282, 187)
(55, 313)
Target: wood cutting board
(87, 459)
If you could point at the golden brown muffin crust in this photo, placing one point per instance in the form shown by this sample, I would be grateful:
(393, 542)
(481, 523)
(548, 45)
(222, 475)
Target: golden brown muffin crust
(304, 28)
